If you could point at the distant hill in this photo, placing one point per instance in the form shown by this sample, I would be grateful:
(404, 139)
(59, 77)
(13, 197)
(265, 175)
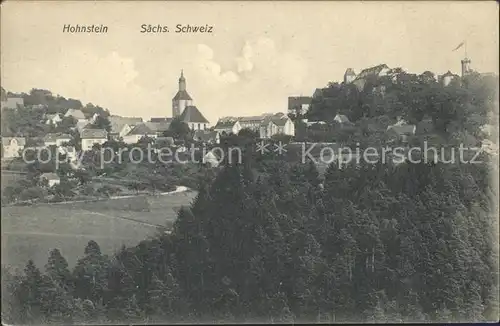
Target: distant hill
(28, 121)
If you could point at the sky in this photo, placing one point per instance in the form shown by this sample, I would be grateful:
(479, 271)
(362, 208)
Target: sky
(258, 54)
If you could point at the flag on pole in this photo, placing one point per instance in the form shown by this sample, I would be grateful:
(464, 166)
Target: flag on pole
(459, 46)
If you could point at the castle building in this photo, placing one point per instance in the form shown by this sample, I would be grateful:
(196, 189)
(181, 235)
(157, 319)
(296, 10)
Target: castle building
(349, 76)
(182, 99)
(447, 78)
(465, 66)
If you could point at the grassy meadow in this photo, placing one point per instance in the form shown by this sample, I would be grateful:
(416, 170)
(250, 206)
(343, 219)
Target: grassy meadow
(30, 232)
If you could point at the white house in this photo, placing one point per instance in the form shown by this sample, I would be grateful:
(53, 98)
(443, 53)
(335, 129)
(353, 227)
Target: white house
(12, 103)
(53, 119)
(52, 178)
(56, 139)
(211, 159)
(139, 131)
(228, 127)
(90, 137)
(11, 146)
(267, 125)
(277, 124)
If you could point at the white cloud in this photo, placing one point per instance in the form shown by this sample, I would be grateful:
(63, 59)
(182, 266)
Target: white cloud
(212, 69)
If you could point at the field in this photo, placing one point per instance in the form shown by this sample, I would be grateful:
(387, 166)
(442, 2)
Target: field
(30, 232)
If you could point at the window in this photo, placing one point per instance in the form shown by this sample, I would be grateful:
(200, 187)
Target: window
(199, 126)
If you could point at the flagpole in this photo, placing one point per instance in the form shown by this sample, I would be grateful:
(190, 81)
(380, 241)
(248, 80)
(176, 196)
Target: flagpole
(465, 46)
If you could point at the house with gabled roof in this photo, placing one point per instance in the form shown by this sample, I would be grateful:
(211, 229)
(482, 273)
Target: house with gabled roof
(81, 125)
(90, 137)
(121, 126)
(212, 159)
(53, 119)
(158, 127)
(139, 131)
(227, 127)
(448, 77)
(11, 146)
(193, 118)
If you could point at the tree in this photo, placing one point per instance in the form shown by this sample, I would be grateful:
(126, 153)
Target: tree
(178, 129)
(57, 270)
(90, 273)
(101, 122)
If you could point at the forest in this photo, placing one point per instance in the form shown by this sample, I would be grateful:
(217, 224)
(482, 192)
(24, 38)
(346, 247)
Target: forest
(275, 243)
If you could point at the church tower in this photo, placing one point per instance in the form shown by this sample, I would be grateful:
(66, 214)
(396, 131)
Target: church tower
(465, 66)
(182, 99)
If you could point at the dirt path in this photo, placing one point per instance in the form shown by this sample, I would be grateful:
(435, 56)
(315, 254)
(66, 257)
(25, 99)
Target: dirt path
(127, 219)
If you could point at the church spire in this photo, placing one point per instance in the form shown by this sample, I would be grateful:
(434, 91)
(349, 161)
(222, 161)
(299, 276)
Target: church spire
(182, 81)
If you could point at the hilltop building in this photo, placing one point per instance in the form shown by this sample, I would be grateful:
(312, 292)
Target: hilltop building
(466, 67)
(349, 76)
(447, 78)
(365, 74)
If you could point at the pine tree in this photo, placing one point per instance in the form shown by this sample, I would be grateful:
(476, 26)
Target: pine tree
(90, 273)
(57, 270)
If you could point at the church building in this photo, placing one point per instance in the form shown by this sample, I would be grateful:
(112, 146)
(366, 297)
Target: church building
(182, 107)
